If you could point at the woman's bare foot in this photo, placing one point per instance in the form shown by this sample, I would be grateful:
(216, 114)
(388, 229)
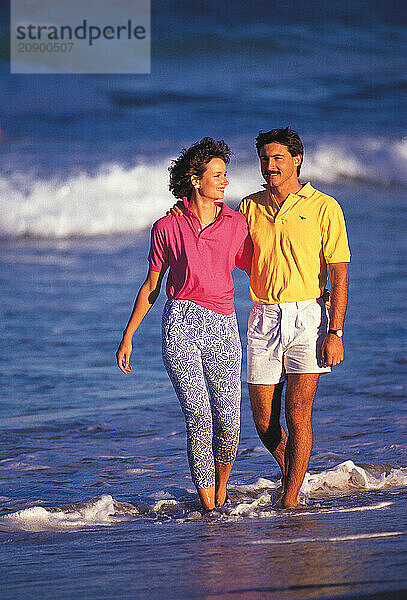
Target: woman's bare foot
(222, 476)
(221, 497)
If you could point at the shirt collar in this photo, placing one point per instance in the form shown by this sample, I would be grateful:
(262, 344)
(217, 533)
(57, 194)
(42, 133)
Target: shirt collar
(225, 210)
(305, 192)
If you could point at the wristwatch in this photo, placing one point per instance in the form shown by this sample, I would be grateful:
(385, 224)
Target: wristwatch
(337, 332)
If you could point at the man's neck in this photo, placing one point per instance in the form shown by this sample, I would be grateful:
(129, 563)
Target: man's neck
(280, 193)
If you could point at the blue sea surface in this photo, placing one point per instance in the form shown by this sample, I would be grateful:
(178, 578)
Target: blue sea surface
(96, 496)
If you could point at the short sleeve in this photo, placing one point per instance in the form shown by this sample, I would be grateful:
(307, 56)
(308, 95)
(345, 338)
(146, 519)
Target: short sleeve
(334, 237)
(243, 259)
(158, 255)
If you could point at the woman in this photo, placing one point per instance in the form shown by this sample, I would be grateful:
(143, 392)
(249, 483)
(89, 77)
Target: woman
(200, 338)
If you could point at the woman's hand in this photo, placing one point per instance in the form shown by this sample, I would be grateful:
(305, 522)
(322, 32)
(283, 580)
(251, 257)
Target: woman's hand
(123, 355)
(326, 297)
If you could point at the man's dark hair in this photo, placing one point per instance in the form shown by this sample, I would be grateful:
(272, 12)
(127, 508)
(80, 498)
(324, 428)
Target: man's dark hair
(193, 161)
(287, 137)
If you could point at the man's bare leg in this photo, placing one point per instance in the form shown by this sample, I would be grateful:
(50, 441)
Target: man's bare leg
(266, 407)
(299, 397)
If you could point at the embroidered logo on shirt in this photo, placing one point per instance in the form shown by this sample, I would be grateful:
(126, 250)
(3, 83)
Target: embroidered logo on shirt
(303, 218)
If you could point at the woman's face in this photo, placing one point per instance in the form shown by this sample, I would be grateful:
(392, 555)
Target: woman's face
(213, 182)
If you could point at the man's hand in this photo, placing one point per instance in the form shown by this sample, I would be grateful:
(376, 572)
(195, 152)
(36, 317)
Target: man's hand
(176, 210)
(332, 350)
(123, 355)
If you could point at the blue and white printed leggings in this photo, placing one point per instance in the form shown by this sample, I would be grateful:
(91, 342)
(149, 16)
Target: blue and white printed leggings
(199, 344)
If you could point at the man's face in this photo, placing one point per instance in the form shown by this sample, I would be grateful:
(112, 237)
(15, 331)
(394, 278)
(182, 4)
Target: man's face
(277, 164)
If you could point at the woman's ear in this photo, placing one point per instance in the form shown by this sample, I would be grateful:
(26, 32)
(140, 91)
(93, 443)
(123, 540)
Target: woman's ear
(195, 181)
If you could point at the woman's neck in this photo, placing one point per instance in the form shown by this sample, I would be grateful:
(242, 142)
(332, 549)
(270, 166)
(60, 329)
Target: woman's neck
(204, 208)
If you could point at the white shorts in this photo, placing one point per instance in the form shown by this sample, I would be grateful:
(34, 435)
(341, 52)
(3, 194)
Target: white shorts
(285, 338)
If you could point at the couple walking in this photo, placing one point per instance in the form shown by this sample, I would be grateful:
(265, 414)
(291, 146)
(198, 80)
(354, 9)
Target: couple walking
(286, 237)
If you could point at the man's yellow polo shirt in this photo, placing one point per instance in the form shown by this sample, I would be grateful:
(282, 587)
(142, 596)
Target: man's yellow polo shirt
(293, 245)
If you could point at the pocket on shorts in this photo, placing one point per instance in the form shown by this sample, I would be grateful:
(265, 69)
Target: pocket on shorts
(312, 319)
(258, 323)
(317, 317)
(263, 327)
(254, 318)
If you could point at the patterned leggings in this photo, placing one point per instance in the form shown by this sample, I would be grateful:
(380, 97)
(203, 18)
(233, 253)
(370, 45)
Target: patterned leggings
(199, 344)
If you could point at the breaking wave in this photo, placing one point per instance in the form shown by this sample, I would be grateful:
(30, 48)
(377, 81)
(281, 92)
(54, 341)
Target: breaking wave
(119, 200)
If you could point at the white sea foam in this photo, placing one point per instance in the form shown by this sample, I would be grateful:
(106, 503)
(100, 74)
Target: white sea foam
(348, 476)
(323, 540)
(348, 509)
(256, 500)
(138, 471)
(98, 512)
(261, 484)
(126, 200)
(345, 477)
(161, 495)
(18, 465)
(251, 501)
(369, 159)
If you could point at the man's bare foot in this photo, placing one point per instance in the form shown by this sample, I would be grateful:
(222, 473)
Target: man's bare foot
(288, 504)
(284, 502)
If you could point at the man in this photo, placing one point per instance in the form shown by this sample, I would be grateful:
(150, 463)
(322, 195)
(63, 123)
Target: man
(298, 233)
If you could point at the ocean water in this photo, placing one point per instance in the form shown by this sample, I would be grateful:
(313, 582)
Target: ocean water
(96, 497)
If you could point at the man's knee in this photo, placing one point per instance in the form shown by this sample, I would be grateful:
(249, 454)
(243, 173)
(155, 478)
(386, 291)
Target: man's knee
(299, 399)
(266, 401)
(298, 417)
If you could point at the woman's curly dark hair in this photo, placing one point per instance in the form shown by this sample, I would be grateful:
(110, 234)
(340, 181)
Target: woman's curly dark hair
(193, 161)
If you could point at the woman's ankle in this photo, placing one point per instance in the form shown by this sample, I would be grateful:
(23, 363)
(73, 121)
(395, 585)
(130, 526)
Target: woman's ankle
(207, 497)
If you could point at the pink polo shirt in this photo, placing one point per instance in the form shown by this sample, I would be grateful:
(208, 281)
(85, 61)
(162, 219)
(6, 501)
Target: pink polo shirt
(201, 261)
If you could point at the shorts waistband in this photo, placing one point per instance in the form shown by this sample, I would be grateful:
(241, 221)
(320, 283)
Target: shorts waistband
(299, 304)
